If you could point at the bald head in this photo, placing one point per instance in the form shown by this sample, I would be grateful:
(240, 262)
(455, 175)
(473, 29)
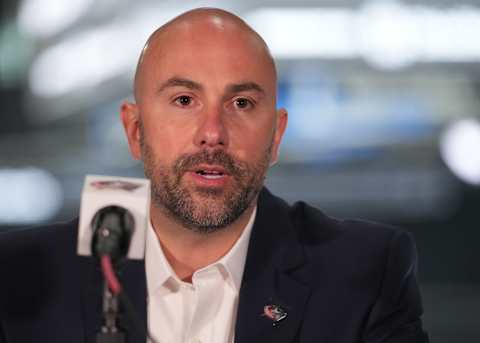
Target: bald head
(188, 29)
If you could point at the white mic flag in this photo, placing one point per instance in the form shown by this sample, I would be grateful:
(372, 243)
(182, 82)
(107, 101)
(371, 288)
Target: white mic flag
(133, 194)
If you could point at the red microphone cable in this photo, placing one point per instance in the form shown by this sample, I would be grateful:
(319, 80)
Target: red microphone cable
(109, 275)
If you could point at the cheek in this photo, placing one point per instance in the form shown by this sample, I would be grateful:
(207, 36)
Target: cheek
(251, 142)
(168, 138)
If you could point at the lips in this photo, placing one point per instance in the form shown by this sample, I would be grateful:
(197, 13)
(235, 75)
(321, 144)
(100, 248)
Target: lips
(209, 172)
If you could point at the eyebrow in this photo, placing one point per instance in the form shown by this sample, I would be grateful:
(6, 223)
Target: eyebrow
(244, 87)
(180, 82)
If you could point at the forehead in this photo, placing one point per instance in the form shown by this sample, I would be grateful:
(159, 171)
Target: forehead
(209, 53)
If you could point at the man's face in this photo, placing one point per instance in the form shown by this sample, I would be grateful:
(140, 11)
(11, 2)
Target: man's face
(207, 128)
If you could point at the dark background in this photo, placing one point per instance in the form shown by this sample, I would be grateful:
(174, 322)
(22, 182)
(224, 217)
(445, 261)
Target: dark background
(384, 118)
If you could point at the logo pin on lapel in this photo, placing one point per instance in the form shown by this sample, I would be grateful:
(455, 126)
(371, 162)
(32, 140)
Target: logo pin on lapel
(274, 313)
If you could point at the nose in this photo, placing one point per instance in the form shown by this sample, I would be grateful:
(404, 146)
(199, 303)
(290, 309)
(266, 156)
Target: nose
(211, 132)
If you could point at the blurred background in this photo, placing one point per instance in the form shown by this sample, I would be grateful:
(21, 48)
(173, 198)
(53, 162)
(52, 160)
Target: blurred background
(384, 118)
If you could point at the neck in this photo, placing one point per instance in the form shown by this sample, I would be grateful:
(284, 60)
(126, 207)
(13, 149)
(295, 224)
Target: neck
(187, 250)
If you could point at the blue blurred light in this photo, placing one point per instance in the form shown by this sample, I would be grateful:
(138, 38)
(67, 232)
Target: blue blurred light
(29, 196)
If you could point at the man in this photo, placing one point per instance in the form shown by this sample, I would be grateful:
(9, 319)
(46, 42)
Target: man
(225, 259)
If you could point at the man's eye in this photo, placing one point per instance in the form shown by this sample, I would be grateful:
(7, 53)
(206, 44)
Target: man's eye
(243, 103)
(183, 100)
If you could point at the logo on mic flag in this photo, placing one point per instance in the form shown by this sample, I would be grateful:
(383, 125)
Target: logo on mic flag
(115, 184)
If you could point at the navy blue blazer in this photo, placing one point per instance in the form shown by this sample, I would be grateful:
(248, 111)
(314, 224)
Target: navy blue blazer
(339, 282)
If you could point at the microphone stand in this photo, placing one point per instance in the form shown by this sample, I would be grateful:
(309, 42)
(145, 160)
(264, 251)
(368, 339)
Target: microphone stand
(113, 227)
(110, 333)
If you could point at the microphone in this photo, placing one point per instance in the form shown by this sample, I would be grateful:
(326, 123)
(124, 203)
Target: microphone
(113, 227)
(119, 204)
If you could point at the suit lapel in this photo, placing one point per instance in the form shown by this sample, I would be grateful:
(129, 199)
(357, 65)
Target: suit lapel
(132, 277)
(275, 274)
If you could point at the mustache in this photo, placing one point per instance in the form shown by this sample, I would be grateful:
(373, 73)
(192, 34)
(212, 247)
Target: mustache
(218, 157)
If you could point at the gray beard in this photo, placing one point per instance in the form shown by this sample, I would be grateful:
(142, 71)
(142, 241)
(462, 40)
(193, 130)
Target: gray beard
(217, 209)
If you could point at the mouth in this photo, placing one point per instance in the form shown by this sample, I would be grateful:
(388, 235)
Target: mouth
(209, 174)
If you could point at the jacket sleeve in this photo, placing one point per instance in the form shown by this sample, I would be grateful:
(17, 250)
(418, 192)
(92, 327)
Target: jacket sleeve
(395, 316)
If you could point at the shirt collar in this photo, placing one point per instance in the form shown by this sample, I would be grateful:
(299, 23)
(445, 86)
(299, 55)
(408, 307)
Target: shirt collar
(157, 268)
(234, 260)
(159, 271)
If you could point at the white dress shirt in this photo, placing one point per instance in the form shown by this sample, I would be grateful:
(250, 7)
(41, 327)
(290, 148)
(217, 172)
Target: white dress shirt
(203, 311)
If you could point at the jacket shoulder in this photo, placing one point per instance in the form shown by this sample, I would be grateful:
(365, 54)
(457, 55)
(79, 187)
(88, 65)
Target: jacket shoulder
(35, 264)
(49, 239)
(314, 226)
(357, 248)
(363, 269)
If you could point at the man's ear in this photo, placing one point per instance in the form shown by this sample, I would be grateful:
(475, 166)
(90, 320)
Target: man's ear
(281, 125)
(129, 115)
